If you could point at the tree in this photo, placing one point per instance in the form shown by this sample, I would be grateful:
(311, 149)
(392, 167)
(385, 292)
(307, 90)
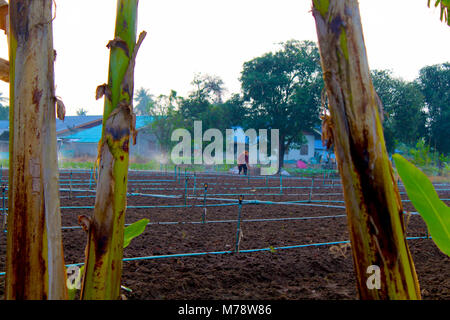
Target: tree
(81, 112)
(2, 99)
(165, 119)
(4, 113)
(282, 90)
(194, 108)
(4, 110)
(208, 87)
(385, 86)
(409, 117)
(374, 209)
(434, 82)
(203, 103)
(231, 113)
(144, 102)
(403, 109)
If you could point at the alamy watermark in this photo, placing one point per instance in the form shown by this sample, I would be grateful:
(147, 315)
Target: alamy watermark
(374, 280)
(214, 153)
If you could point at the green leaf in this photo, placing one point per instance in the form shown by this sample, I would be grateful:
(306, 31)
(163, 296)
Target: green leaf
(130, 232)
(426, 201)
(133, 230)
(445, 5)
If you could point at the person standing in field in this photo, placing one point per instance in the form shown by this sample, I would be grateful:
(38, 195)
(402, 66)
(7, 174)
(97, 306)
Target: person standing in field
(242, 161)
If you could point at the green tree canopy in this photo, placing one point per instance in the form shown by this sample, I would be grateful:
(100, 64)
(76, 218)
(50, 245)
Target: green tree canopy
(4, 109)
(81, 112)
(434, 82)
(207, 87)
(403, 104)
(166, 119)
(282, 91)
(205, 103)
(144, 102)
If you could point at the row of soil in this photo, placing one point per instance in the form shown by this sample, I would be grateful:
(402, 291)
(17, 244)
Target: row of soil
(175, 212)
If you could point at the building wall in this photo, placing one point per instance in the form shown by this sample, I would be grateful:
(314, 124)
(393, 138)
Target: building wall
(4, 149)
(146, 148)
(73, 150)
(304, 153)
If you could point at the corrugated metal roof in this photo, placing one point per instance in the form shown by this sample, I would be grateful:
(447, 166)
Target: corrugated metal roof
(4, 124)
(318, 145)
(72, 122)
(93, 135)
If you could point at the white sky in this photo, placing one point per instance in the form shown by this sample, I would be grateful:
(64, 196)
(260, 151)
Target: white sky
(216, 37)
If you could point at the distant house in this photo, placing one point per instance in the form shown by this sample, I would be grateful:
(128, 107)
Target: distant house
(72, 124)
(312, 151)
(306, 151)
(83, 140)
(78, 137)
(4, 126)
(4, 139)
(320, 151)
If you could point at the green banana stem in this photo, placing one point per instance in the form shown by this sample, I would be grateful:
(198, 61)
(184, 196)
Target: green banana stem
(374, 209)
(105, 240)
(34, 258)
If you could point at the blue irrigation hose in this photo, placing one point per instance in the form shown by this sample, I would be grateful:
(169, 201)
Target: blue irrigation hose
(3, 208)
(233, 221)
(168, 206)
(180, 255)
(281, 183)
(228, 221)
(195, 184)
(185, 188)
(204, 204)
(90, 179)
(238, 231)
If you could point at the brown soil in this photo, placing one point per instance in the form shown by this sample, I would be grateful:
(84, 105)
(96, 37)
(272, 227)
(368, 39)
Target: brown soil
(311, 272)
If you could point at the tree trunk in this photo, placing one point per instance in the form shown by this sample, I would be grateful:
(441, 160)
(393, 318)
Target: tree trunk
(105, 241)
(374, 209)
(281, 154)
(35, 260)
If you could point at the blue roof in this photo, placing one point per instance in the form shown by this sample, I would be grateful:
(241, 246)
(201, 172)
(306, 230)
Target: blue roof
(318, 144)
(71, 122)
(4, 124)
(93, 135)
